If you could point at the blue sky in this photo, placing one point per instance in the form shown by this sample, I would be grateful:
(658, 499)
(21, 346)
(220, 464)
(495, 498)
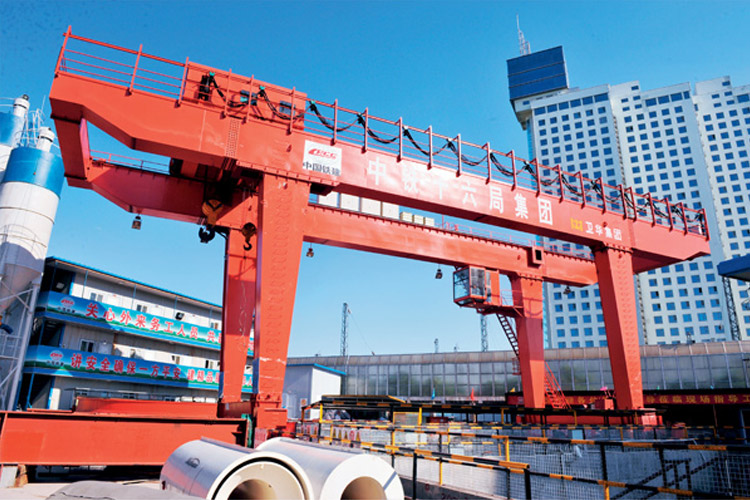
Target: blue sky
(432, 63)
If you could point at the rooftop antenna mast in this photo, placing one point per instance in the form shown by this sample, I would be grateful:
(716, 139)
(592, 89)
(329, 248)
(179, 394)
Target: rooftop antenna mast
(523, 46)
(437, 346)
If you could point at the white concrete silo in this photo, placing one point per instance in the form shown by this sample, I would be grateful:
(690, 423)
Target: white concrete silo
(32, 178)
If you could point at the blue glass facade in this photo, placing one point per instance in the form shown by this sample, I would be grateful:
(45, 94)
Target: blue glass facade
(536, 73)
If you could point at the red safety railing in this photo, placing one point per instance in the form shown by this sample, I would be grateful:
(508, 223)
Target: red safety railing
(468, 158)
(138, 71)
(130, 162)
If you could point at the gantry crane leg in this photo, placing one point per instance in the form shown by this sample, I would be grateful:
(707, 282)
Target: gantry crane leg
(281, 215)
(237, 315)
(615, 270)
(530, 339)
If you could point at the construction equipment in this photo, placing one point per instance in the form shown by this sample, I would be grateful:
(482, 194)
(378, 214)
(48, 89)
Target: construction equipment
(480, 289)
(245, 156)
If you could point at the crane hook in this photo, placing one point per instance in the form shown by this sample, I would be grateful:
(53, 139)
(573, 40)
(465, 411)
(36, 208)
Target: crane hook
(248, 231)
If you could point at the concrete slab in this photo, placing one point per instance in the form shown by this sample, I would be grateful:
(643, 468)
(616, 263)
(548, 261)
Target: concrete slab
(34, 491)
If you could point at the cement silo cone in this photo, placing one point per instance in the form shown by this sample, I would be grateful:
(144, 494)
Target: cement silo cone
(29, 195)
(12, 124)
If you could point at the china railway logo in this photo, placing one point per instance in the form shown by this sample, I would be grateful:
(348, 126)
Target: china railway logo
(323, 154)
(322, 158)
(56, 358)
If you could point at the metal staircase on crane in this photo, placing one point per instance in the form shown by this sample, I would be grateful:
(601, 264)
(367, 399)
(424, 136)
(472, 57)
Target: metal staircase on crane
(552, 389)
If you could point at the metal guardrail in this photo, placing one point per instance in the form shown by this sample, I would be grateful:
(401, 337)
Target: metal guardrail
(77, 392)
(139, 71)
(698, 434)
(533, 467)
(129, 161)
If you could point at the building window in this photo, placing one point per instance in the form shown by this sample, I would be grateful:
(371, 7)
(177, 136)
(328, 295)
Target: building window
(87, 345)
(96, 297)
(141, 308)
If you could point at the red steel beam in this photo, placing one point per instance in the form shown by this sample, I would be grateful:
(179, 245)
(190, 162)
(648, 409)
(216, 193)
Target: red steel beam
(201, 133)
(57, 438)
(237, 315)
(615, 270)
(125, 186)
(116, 406)
(281, 223)
(530, 330)
(368, 233)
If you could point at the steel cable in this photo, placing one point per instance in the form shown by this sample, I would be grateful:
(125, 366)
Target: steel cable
(327, 124)
(408, 135)
(630, 202)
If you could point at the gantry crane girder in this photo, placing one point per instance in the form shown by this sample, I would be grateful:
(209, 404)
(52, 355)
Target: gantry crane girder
(246, 155)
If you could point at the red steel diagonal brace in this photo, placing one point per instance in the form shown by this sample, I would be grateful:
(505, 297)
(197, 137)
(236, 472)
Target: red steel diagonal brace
(615, 269)
(530, 334)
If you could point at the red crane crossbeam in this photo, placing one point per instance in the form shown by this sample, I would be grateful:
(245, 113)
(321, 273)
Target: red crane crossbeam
(124, 186)
(358, 154)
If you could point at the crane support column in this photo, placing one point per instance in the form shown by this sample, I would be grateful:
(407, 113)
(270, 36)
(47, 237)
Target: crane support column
(237, 315)
(615, 269)
(530, 338)
(281, 216)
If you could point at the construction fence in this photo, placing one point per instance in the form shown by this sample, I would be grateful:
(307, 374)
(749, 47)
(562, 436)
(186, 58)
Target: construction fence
(546, 467)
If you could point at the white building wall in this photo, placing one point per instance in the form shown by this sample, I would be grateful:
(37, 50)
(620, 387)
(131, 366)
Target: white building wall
(661, 154)
(575, 129)
(324, 383)
(119, 293)
(723, 115)
(66, 389)
(653, 141)
(297, 385)
(307, 384)
(133, 346)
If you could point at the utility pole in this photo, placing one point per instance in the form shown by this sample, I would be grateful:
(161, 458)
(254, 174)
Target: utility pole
(483, 329)
(437, 346)
(345, 330)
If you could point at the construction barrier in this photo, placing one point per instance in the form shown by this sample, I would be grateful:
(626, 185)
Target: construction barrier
(554, 464)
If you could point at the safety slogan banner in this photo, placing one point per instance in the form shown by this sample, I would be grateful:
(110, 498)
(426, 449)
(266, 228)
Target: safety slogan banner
(59, 362)
(128, 320)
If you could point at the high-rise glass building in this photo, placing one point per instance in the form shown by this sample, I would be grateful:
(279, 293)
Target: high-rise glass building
(688, 146)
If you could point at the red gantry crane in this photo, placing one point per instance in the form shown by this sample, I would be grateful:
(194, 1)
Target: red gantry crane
(245, 156)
